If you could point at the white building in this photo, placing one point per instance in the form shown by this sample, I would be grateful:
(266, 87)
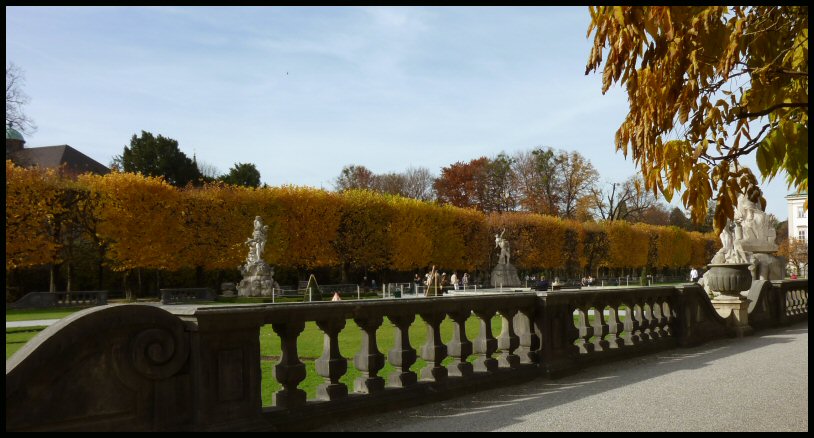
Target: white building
(798, 221)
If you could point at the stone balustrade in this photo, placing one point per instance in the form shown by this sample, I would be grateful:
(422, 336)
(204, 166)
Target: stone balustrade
(37, 300)
(199, 368)
(185, 295)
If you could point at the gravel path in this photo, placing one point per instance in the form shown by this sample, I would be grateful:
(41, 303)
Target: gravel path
(758, 383)
(34, 323)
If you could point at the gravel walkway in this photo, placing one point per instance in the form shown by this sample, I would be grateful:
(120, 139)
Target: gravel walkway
(758, 383)
(34, 323)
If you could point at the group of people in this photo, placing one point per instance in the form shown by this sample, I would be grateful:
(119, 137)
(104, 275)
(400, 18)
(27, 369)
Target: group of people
(587, 281)
(435, 280)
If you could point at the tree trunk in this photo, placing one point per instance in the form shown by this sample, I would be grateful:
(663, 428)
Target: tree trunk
(140, 289)
(128, 291)
(100, 276)
(52, 287)
(199, 274)
(343, 273)
(68, 285)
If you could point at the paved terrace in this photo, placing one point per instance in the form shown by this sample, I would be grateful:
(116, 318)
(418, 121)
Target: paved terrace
(757, 383)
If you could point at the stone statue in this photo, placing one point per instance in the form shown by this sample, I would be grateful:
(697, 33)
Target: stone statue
(504, 274)
(503, 244)
(257, 243)
(753, 231)
(729, 252)
(258, 276)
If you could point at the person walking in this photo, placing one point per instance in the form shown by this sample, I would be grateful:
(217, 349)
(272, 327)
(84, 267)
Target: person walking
(693, 274)
(465, 280)
(454, 280)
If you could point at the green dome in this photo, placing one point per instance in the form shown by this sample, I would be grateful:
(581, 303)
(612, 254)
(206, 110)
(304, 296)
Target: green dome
(13, 134)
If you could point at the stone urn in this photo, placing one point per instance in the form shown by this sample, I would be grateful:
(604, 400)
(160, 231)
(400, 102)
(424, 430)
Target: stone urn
(729, 279)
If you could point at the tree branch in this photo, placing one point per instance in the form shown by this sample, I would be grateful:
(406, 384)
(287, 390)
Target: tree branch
(768, 110)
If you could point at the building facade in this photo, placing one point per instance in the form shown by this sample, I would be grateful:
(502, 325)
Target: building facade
(798, 230)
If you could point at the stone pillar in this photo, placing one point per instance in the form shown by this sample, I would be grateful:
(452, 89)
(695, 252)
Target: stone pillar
(585, 330)
(735, 310)
(615, 327)
(459, 347)
(600, 329)
(402, 356)
(485, 344)
(289, 371)
(433, 351)
(508, 341)
(331, 365)
(529, 339)
(369, 360)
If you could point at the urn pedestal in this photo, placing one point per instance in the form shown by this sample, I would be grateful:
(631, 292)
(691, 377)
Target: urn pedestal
(730, 280)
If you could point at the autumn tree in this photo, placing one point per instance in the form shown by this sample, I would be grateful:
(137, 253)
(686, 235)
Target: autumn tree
(16, 99)
(656, 214)
(708, 86)
(796, 252)
(158, 156)
(679, 219)
(538, 184)
(553, 182)
(500, 192)
(354, 177)
(418, 184)
(622, 201)
(463, 184)
(391, 183)
(242, 174)
(578, 177)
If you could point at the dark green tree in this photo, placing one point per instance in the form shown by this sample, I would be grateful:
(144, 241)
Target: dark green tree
(679, 219)
(158, 156)
(243, 174)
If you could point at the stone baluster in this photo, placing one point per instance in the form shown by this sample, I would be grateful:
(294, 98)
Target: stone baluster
(640, 322)
(331, 365)
(630, 326)
(289, 371)
(663, 316)
(508, 340)
(653, 318)
(485, 344)
(585, 330)
(459, 347)
(402, 356)
(529, 340)
(615, 326)
(369, 360)
(433, 351)
(600, 328)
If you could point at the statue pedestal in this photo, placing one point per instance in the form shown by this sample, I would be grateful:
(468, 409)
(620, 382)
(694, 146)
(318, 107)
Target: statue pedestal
(258, 280)
(736, 312)
(505, 275)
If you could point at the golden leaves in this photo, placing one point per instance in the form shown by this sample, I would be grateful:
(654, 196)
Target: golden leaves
(146, 223)
(693, 56)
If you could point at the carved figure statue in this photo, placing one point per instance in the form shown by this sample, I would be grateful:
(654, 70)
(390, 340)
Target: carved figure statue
(729, 252)
(503, 244)
(257, 243)
(752, 221)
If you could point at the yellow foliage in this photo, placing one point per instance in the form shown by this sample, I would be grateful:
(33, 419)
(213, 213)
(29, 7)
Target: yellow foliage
(628, 245)
(32, 201)
(143, 222)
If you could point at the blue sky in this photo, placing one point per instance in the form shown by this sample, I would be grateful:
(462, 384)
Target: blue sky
(301, 92)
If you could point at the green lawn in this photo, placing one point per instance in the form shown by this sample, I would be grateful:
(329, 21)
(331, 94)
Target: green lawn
(34, 314)
(17, 337)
